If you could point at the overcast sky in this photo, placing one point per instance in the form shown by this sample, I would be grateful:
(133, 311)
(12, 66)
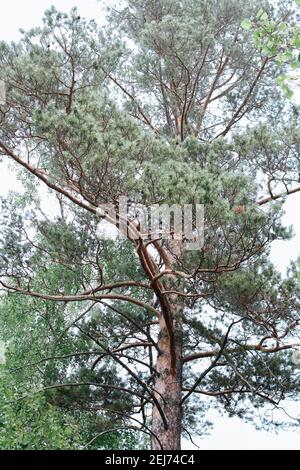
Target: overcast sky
(229, 433)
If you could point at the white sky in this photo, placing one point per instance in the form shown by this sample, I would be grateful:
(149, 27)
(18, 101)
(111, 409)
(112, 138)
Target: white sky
(229, 433)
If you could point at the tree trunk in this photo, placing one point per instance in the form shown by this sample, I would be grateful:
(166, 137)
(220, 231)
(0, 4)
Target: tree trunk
(168, 389)
(168, 381)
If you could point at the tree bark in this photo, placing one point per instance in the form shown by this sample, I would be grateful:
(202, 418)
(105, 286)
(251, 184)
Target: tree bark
(168, 389)
(168, 381)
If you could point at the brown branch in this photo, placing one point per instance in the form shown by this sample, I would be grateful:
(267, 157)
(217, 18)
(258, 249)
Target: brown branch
(230, 392)
(55, 358)
(144, 345)
(124, 415)
(117, 285)
(146, 120)
(130, 372)
(213, 364)
(145, 332)
(151, 269)
(81, 384)
(274, 197)
(248, 347)
(120, 428)
(41, 176)
(236, 115)
(79, 298)
(72, 87)
(219, 72)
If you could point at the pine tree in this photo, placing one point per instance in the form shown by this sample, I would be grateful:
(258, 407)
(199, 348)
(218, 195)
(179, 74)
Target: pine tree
(172, 103)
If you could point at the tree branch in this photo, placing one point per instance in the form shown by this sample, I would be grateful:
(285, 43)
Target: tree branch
(274, 197)
(247, 347)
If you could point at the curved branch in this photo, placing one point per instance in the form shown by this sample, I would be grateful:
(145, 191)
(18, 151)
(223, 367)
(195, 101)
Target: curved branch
(213, 364)
(79, 298)
(150, 432)
(43, 177)
(247, 347)
(135, 428)
(130, 372)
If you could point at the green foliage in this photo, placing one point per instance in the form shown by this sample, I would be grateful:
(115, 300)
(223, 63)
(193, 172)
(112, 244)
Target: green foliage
(280, 40)
(182, 109)
(34, 418)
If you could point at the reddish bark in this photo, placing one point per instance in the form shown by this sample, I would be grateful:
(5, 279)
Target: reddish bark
(168, 382)
(168, 388)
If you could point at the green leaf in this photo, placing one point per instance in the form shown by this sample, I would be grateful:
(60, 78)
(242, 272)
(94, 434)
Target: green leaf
(246, 24)
(264, 16)
(296, 41)
(282, 27)
(266, 50)
(289, 93)
(297, 1)
(280, 80)
(260, 12)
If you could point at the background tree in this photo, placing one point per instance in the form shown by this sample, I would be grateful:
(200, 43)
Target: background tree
(35, 334)
(172, 102)
(280, 40)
